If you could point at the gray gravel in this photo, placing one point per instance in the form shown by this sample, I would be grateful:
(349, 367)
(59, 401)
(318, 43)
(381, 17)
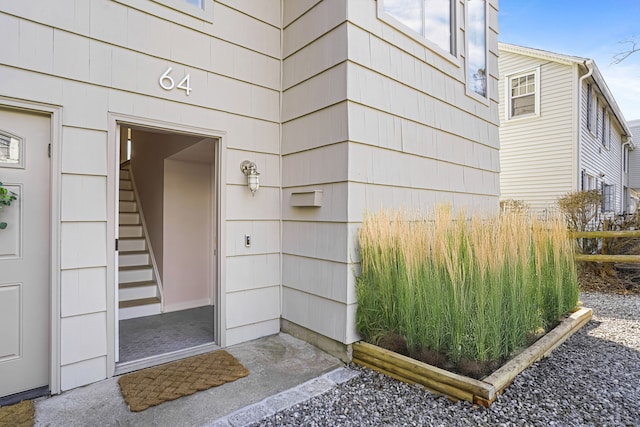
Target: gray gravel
(593, 379)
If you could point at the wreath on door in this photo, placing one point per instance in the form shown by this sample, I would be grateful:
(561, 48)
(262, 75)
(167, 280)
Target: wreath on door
(6, 197)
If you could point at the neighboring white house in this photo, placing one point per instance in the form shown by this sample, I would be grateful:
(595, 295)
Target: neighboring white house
(634, 167)
(560, 130)
(341, 106)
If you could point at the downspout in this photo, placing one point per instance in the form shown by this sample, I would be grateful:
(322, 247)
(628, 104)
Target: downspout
(280, 164)
(588, 64)
(627, 143)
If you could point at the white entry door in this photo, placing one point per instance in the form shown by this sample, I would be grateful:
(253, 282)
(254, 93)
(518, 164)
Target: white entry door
(24, 252)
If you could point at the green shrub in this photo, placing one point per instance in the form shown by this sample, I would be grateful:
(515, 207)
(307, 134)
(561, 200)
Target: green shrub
(6, 197)
(472, 289)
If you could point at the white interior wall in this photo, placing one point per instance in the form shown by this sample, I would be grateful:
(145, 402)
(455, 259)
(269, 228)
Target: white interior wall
(148, 153)
(188, 252)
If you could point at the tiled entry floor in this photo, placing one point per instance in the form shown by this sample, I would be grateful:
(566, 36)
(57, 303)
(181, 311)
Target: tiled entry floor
(162, 333)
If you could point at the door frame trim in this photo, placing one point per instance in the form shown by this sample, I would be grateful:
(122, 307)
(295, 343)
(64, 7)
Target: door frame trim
(115, 120)
(55, 117)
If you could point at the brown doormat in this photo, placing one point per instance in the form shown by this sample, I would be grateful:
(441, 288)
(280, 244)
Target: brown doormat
(153, 386)
(18, 415)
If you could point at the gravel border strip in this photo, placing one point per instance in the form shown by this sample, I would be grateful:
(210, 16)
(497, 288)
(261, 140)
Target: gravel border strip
(593, 379)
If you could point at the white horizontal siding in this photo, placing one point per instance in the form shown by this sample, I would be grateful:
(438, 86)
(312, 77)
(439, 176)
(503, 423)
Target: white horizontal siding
(294, 9)
(253, 272)
(603, 163)
(310, 23)
(322, 278)
(323, 53)
(413, 135)
(325, 316)
(264, 10)
(113, 53)
(314, 150)
(537, 154)
(320, 128)
(252, 331)
(634, 156)
(253, 306)
(333, 208)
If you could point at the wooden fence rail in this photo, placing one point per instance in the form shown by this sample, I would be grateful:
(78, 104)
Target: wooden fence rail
(607, 235)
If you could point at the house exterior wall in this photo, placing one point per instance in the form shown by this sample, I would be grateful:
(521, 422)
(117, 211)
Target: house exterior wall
(605, 164)
(321, 95)
(316, 277)
(537, 153)
(634, 157)
(375, 119)
(112, 53)
(548, 155)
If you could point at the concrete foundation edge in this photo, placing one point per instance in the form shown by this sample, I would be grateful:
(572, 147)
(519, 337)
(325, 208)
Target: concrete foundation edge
(335, 348)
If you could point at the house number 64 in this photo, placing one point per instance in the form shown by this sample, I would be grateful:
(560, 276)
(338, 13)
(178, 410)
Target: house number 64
(167, 82)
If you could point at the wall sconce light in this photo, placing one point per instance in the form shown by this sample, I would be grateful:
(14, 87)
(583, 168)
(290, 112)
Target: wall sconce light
(250, 170)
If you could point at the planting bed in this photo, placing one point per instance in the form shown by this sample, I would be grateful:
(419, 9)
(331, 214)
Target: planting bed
(459, 387)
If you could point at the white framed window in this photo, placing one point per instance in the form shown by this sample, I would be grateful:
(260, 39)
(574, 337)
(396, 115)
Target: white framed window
(596, 116)
(608, 197)
(197, 3)
(589, 107)
(430, 21)
(476, 52)
(605, 129)
(523, 94)
(201, 9)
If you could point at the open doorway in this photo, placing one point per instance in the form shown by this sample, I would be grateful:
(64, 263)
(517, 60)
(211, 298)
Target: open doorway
(167, 250)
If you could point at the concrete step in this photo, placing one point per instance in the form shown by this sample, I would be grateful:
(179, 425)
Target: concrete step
(129, 244)
(129, 230)
(137, 290)
(127, 206)
(133, 258)
(135, 274)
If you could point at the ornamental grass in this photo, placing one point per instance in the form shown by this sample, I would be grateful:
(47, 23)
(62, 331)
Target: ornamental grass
(473, 289)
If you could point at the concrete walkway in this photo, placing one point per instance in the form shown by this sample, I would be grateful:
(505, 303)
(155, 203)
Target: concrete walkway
(283, 371)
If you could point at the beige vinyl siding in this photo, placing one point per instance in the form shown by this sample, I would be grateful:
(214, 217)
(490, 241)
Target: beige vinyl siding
(407, 111)
(537, 156)
(67, 52)
(415, 137)
(316, 272)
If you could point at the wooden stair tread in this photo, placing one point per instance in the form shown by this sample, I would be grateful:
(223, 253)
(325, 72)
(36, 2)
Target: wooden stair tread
(141, 284)
(138, 302)
(135, 252)
(134, 267)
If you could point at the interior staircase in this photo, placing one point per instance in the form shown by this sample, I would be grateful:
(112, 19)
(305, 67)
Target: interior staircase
(138, 291)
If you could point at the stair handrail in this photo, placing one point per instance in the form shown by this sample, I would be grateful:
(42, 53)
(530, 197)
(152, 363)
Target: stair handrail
(154, 265)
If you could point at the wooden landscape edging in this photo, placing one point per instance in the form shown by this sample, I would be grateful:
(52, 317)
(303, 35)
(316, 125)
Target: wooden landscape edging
(457, 386)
